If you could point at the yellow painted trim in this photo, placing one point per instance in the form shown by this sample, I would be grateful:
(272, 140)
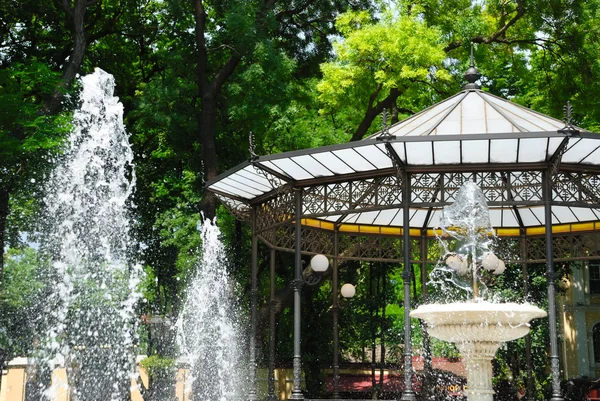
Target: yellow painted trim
(416, 232)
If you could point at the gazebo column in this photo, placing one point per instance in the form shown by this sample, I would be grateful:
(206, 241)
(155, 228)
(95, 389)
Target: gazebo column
(252, 395)
(408, 394)
(272, 304)
(335, 315)
(297, 285)
(554, 359)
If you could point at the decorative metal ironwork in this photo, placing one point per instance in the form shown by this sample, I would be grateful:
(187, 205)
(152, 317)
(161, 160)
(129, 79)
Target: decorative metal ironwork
(239, 210)
(569, 129)
(425, 187)
(493, 186)
(525, 186)
(385, 128)
(318, 241)
(352, 196)
(452, 182)
(252, 147)
(577, 188)
(355, 246)
(275, 211)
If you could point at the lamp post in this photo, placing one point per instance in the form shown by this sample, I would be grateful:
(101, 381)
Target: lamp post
(347, 291)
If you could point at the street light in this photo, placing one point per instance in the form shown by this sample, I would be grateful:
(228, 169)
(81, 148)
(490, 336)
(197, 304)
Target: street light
(348, 290)
(319, 263)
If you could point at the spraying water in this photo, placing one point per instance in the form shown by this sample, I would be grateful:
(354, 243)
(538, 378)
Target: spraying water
(90, 315)
(467, 234)
(209, 334)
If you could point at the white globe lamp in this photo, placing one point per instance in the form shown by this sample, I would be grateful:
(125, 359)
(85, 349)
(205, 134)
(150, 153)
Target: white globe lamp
(319, 263)
(501, 267)
(490, 261)
(348, 290)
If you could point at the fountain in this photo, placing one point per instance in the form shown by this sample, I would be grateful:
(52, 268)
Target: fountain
(208, 330)
(477, 327)
(90, 319)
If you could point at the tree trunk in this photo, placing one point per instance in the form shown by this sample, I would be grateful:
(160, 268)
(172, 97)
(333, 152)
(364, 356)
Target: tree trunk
(373, 111)
(4, 197)
(77, 15)
(209, 90)
(209, 151)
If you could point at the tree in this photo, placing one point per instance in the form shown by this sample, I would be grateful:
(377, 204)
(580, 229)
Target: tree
(376, 63)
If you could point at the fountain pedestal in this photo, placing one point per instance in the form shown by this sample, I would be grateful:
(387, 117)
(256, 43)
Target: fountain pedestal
(478, 329)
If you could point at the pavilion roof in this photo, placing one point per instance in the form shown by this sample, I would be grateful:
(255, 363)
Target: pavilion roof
(470, 131)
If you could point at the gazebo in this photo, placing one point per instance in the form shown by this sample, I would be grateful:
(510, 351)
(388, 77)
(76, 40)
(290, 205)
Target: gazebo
(353, 201)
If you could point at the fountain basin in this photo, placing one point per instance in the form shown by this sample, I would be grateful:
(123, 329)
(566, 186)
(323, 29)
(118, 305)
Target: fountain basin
(478, 329)
(478, 321)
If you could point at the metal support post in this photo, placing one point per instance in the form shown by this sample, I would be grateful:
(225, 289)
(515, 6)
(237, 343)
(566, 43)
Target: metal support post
(408, 394)
(272, 304)
(252, 395)
(335, 312)
(554, 359)
(297, 283)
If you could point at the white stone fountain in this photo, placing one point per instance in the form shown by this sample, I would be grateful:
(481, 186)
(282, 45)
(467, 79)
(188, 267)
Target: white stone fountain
(477, 327)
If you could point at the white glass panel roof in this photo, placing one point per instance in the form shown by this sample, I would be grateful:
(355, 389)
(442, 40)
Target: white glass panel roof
(563, 214)
(582, 150)
(577, 149)
(425, 120)
(292, 169)
(312, 165)
(386, 216)
(419, 153)
(417, 217)
(251, 174)
(447, 152)
(593, 157)
(376, 155)
(400, 151)
(354, 160)
(367, 217)
(273, 167)
(532, 150)
(503, 150)
(226, 187)
(529, 218)
(584, 214)
(486, 129)
(475, 151)
(333, 163)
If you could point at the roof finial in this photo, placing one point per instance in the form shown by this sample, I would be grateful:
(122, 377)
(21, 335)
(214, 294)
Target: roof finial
(252, 147)
(472, 74)
(569, 129)
(472, 58)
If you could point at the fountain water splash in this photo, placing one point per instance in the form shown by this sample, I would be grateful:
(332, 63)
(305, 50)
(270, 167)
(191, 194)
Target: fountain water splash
(90, 315)
(477, 327)
(209, 330)
(466, 239)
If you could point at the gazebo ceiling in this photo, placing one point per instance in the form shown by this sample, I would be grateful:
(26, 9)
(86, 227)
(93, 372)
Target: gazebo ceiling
(471, 132)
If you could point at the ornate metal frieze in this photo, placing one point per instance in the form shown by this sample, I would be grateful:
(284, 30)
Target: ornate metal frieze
(355, 195)
(275, 211)
(578, 188)
(425, 188)
(238, 209)
(525, 186)
(318, 241)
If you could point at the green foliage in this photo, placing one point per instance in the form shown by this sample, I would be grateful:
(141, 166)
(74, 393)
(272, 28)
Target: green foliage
(23, 293)
(158, 366)
(374, 57)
